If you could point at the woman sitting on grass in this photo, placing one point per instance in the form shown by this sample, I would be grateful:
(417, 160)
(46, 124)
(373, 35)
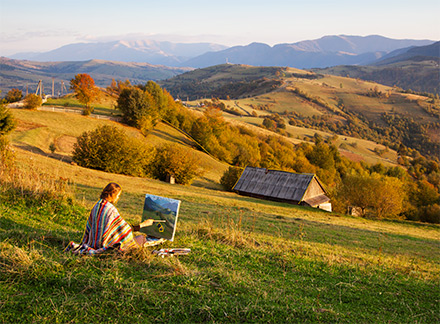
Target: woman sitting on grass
(106, 229)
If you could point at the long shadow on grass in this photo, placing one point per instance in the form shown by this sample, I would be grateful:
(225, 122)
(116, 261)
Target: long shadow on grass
(21, 235)
(173, 138)
(292, 227)
(296, 228)
(36, 150)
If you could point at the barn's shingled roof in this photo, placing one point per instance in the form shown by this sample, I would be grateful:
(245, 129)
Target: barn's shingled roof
(280, 185)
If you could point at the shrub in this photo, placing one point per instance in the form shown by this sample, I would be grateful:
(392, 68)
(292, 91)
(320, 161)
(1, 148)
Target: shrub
(32, 101)
(431, 214)
(230, 177)
(14, 95)
(7, 125)
(52, 147)
(7, 156)
(7, 122)
(109, 149)
(176, 161)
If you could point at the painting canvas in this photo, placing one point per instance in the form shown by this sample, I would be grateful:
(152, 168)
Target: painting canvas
(165, 211)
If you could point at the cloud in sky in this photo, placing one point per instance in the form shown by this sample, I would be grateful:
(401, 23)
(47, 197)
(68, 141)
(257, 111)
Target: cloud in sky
(29, 25)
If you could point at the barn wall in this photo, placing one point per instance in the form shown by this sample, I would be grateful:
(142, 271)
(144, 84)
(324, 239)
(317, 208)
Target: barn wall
(326, 207)
(313, 190)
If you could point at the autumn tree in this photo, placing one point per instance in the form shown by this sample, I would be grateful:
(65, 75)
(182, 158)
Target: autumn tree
(14, 95)
(382, 196)
(176, 161)
(138, 109)
(117, 86)
(269, 124)
(85, 90)
(160, 99)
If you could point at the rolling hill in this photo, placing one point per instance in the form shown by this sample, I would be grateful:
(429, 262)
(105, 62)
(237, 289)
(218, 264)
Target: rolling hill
(223, 80)
(336, 104)
(251, 260)
(19, 73)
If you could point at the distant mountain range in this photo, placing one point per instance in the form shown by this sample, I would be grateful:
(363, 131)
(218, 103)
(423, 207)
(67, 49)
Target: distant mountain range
(410, 64)
(142, 51)
(414, 53)
(324, 52)
(415, 68)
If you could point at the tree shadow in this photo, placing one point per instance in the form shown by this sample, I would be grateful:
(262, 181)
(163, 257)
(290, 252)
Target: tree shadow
(36, 150)
(21, 234)
(206, 183)
(173, 138)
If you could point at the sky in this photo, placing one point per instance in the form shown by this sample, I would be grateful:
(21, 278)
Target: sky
(42, 25)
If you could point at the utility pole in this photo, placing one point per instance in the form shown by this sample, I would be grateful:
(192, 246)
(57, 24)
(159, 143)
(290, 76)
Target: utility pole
(53, 86)
(62, 88)
(40, 88)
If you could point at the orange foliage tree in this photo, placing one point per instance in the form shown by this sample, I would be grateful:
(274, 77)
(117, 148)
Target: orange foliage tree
(85, 90)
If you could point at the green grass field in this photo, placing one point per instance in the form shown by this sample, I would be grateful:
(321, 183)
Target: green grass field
(105, 105)
(251, 261)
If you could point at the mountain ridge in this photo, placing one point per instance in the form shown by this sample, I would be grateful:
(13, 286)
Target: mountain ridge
(326, 51)
(142, 51)
(319, 53)
(413, 68)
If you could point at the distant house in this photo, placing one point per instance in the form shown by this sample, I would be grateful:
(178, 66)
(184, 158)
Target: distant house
(294, 188)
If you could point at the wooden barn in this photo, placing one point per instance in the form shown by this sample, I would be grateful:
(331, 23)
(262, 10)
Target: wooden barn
(294, 188)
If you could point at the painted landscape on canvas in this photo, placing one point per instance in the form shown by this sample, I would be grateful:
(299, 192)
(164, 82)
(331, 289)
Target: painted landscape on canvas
(161, 209)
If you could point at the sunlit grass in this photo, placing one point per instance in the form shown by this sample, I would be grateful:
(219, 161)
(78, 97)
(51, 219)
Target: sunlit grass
(251, 261)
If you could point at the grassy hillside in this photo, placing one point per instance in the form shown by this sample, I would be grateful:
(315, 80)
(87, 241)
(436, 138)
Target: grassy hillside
(251, 260)
(354, 148)
(334, 104)
(36, 130)
(104, 105)
(223, 80)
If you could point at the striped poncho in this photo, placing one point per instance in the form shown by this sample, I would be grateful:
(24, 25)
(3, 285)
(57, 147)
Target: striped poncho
(105, 229)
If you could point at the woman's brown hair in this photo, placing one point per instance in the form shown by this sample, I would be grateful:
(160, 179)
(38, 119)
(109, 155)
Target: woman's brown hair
(110, 191)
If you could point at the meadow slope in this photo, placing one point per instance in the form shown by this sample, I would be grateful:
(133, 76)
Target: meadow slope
(251, 260)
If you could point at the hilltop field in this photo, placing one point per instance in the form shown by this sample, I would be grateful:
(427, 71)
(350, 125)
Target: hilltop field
(251, 260)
